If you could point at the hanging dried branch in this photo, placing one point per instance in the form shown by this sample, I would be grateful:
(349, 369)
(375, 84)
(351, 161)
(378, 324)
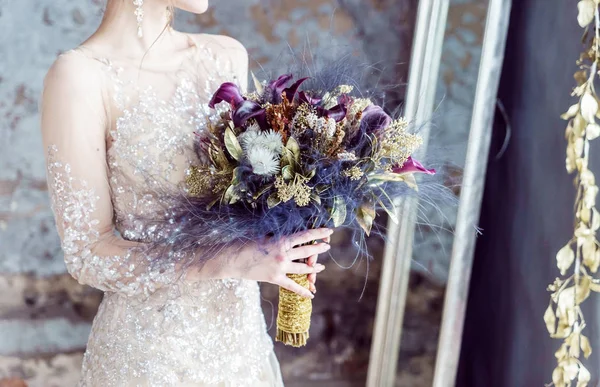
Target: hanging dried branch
(581, 255)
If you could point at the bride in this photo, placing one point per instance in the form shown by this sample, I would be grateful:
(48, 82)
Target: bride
(119, 112)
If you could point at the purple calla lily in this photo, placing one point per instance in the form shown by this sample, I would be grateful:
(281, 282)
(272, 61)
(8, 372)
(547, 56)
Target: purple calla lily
(228, 92)
(337, 112)
(247, 110)
(306, 98)
(374, 119)
(290, 92)
(278, 84)
(275, 88)
(412, 166)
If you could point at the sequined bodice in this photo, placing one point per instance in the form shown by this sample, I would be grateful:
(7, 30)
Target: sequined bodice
(153, 328)
(151, 142)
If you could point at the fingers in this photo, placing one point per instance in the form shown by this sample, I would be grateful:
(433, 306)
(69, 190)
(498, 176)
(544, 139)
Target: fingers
(303, 252)
(312, 278)
(309, 236)
(292, 286)
(303, 268)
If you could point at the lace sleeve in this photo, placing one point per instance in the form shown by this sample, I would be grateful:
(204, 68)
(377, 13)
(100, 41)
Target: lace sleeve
(74, 123)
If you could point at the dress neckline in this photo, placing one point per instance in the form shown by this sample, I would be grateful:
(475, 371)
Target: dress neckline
(167, 66)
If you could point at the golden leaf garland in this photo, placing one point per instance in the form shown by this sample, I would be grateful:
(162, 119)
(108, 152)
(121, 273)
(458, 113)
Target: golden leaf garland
(563, 317)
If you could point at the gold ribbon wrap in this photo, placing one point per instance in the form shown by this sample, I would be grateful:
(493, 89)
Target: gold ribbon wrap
(293, 317)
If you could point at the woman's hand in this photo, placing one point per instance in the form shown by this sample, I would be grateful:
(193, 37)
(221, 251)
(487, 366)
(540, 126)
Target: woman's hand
(270, 262)
(312, 261)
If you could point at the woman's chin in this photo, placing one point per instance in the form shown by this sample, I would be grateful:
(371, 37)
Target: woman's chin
(193, 6)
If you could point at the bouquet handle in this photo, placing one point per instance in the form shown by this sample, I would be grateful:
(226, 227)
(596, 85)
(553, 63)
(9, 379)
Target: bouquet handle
(293, 316)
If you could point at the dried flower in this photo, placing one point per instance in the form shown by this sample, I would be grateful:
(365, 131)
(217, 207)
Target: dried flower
(263, 161)
(354, 173)
(296, 189)
(564, 317)
(267, 139)
(346, 156)
(396, 144)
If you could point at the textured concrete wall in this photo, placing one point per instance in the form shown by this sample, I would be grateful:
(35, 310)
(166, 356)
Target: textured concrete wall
(45, 315)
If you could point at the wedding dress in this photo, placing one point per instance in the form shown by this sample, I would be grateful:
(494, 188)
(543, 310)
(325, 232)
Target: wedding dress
(106, 152)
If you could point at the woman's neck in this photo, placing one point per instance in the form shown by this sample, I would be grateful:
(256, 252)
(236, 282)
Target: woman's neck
(118, 31)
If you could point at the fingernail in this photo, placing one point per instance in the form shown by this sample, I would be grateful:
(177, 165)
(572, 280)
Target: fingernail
(311, 296)
(319, 267)
(330, 231)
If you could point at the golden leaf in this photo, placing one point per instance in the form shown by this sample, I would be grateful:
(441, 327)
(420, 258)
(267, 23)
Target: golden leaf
(273, 200)
(550, 319)
(589, 196)
(589, 107)
(262, 191)
(592, 131)
(315, 198)
(390, 211)
(292, 145)
(573, 109)
(585, 215)
(257, 85)
(232, 144)
(569, 130)
(579, 125)
(562, 352)
(587, 177)
(558, 377)
(570, 160)
(565, 258)
(586, 9)
(585, 346)
(570, 369)
(231, 196)
(287, 173)
(595, 219)
(588, 252)
(338, 212)
(593, 265)
(365, 215)
(573, 342)
(563, 330)
(578, 147)
(218, 158)
(583, 377)
(583, 289)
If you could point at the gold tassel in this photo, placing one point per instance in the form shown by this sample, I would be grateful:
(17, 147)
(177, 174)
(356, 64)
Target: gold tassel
(293, 317)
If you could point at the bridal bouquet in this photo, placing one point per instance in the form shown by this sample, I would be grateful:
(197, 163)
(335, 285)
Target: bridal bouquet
(282, 160)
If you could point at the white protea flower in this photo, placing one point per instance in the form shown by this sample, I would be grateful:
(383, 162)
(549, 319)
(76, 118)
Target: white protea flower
(263, 161)
(253, 128)
(248, 139)
(272, 140)
(268, 139)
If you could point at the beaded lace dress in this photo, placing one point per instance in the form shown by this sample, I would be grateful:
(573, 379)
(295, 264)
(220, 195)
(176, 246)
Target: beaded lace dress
(109, 128)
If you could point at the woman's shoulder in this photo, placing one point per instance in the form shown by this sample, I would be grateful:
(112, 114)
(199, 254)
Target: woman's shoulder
(223, 46)
(73, 80)
(73, 69)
